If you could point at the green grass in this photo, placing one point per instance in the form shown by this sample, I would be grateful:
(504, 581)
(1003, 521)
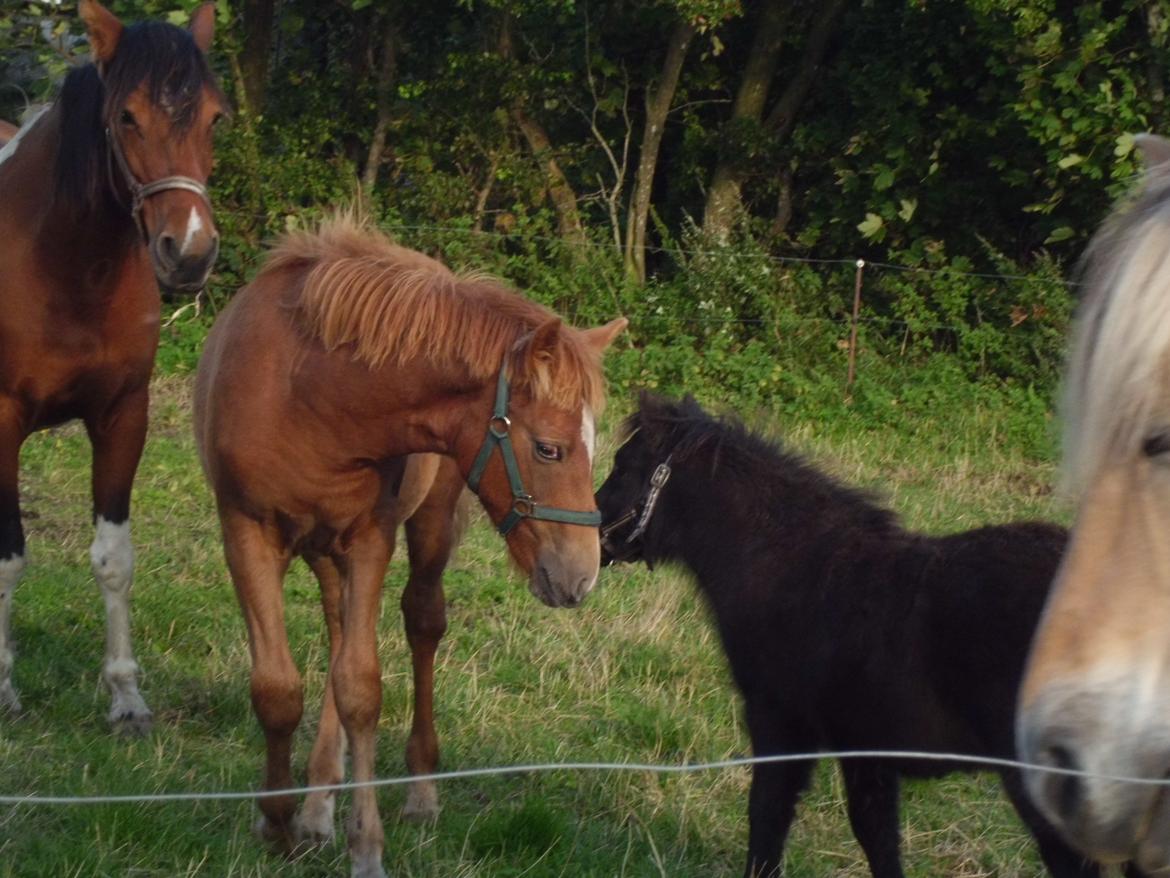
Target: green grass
(635, 675)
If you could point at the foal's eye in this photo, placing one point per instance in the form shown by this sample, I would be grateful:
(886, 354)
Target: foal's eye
(128, 119)
(216, 119)
(1157, 444)
(547, 451)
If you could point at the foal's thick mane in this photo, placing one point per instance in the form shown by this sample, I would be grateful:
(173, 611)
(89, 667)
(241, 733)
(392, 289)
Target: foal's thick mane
(1115, 383)
(392, 304)
(730, 450)
(158, 56)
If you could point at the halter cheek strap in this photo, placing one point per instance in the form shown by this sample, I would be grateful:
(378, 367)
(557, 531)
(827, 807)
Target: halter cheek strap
(658, 480)
(523, 503)
(139, 192)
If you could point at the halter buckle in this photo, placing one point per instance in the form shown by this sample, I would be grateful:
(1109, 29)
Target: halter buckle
(660, 476)
(524, 505)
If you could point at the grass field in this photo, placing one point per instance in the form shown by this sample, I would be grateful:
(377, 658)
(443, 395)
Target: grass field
(635, 675)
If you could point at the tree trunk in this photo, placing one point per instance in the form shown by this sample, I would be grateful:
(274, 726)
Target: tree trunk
(723, 195)
(560, 191)
(1155, 25)
(259, 20)
(783, 116)
(387, 73)
(658, 101)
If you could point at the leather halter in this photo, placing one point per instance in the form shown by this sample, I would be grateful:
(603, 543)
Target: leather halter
(523, 503)
(139, 191)
(658, 480)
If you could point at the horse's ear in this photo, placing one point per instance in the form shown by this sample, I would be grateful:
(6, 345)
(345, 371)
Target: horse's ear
(601, 337)
(543, 345)
(1155, 152)
(203, 26)
(103, 28)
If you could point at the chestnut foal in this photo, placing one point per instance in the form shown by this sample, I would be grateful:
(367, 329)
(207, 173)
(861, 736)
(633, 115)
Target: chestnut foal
(319, 388)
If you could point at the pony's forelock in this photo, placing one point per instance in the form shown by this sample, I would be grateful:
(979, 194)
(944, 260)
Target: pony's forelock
(1114, 392)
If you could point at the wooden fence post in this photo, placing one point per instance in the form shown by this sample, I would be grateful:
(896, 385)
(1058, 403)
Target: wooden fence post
(853, 329)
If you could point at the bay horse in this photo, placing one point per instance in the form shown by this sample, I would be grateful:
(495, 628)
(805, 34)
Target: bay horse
(352, 387)
(102, 196)
(842, 629)
(1096, 696)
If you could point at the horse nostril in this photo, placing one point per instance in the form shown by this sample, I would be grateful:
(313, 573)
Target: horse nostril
(168, 248)
(1067, 789)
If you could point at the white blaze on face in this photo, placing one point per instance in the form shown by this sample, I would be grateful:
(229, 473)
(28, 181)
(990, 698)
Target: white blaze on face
(588, 431)
(194, 227)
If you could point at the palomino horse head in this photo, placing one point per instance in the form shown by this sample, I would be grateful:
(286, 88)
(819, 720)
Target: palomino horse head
(160, 105)
(540, 490)
(1096, 697)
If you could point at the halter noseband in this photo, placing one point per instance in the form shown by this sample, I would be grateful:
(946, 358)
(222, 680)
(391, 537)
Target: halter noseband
(139, 191)
(658, 480)
(523, 503)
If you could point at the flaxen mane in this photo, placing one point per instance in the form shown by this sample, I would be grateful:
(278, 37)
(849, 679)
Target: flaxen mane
(1114, 385)
(392, 304)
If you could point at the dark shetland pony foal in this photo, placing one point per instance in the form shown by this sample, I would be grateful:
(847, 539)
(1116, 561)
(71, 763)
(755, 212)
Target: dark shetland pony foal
(842, 629)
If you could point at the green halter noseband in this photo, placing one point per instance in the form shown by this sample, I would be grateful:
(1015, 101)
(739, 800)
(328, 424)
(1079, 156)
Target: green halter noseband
(523, 504)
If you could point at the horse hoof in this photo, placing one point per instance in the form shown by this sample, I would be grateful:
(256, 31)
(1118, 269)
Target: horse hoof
(276, 837)
(367, 868)
(131, 724)
(422, 805)
(313, 830)
(9, 700)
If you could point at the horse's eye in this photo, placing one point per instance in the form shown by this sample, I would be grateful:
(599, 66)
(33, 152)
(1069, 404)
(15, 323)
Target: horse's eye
(1157, 444)
(128, 119)
(547, 451)
(216, 119)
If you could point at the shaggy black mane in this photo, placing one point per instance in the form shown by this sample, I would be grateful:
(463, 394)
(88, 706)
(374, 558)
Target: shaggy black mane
(762, 466)
(157, 55)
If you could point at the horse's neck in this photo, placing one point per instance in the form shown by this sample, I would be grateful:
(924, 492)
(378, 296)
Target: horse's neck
(54, 225)
(779, 518)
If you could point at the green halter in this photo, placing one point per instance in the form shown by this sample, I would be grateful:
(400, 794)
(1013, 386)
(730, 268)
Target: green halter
(523, 504)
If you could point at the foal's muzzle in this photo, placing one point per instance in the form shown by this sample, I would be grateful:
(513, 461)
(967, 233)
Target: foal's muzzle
(621, 539)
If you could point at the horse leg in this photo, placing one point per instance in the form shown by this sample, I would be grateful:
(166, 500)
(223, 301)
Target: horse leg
(775, 790)
(430, 535)
(257, 562)
(12, 559)
(1062, 861)
(117, 438)
(314, 824)
(356, 680)
(871, 788)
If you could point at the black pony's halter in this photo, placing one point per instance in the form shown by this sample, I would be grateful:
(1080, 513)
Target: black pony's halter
(139, 191)
(642, 515)
(523, 503)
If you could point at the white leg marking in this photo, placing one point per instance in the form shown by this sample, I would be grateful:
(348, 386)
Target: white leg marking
(194, 227)
(112, 557)
(10, 570)
(588, 431)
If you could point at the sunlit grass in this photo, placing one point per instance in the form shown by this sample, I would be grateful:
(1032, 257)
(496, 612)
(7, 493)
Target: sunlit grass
(635, 675)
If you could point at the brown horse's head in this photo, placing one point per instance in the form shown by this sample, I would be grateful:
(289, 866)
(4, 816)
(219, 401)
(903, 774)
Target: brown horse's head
(160, 105)
(1096, 696)
(546, 510)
